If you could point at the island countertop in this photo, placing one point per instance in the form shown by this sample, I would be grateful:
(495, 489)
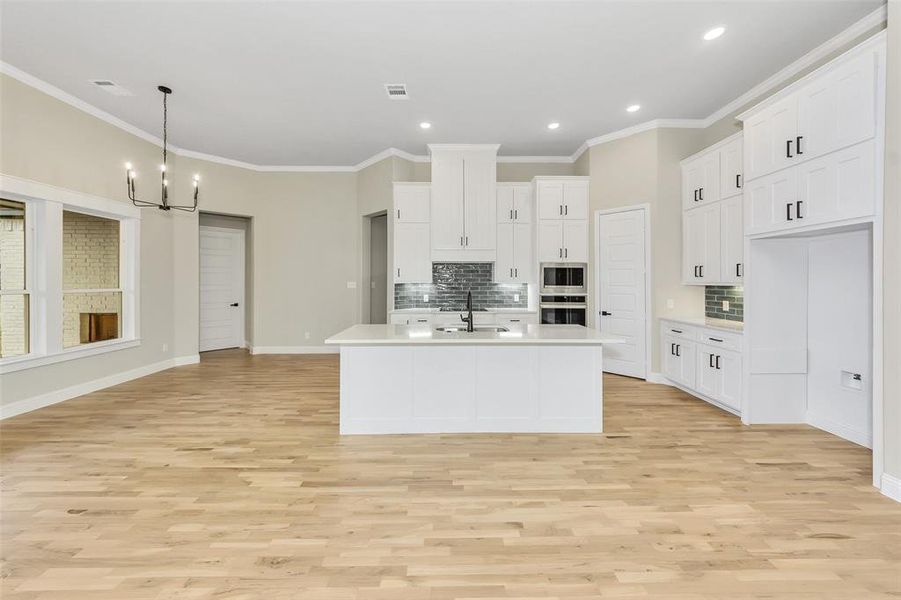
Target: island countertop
(531, 335)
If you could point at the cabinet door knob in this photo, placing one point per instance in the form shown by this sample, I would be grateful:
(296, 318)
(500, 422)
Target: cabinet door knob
(566, 209)
(561, 252)
(516, 272)
(234, 304)
(711, 360)
(398, 213)
(701, 271)
(566, 253)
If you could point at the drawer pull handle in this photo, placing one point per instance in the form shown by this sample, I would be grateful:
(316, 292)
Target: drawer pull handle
(715, 340)
(711, 360)
(676, 330)
(717, 361)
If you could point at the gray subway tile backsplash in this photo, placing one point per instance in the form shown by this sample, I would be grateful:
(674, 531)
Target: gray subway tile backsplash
(451, 281)
(713, 302)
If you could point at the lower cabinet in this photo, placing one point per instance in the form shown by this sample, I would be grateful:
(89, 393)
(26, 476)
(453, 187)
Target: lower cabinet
(510, 320)
(702, 361)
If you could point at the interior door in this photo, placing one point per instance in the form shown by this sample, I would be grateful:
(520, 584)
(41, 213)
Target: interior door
(622, 282)
(221, 288)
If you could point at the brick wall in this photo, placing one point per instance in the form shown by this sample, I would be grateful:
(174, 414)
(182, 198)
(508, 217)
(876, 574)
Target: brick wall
(13, 330)
(451, 282)
(713, 302)
(90, 260)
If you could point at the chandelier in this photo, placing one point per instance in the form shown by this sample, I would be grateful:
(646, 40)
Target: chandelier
(131, 175)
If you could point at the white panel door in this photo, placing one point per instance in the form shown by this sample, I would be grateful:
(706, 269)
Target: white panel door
(732, 247)
(622, 283)
(550, 199)
(550, 241)
(731, 168)
(447, 203)
(412, 258)
(575, 241)
(575, 200)
(411, 203)
(505, 265)
(221, 288)
(839, 108)
(479, 201)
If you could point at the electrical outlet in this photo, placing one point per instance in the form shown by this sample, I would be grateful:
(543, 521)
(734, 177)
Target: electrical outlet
(351, 285)
(670, 303)
(306, 335)
(516, 297)
(725, 305)
(425, 297)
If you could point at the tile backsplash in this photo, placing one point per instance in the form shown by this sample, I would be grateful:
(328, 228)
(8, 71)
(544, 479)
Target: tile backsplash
(713, 302)
(451, 281)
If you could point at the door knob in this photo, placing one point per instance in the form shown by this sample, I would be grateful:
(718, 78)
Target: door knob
(233, 304)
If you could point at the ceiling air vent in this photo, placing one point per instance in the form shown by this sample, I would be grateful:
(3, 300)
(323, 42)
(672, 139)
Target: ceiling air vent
(111, 87)
(397, 91)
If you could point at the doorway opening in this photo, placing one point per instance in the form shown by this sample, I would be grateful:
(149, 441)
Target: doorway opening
(374, 299)
(225, 289)
(622, 287)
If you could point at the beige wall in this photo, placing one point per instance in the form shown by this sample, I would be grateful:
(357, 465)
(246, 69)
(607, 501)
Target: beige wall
(892, 249)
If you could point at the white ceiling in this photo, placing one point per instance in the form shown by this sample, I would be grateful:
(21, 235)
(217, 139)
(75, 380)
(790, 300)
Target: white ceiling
(301, 83)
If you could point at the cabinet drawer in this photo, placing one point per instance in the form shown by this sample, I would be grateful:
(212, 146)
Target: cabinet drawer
(678, 330)
(411, 319)
(517, 320)
(720, 339)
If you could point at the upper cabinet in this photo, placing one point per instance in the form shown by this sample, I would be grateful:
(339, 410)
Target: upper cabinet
(515, 263)
(712, 239)
(463, 202)
(562, 219)
(810, 152)
(514, 202)
(411, 242)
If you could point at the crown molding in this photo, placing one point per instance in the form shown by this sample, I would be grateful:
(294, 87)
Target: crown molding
(870, 21)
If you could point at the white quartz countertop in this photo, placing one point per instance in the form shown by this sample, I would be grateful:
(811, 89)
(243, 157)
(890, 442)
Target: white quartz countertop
(721, 324)
(406, 335)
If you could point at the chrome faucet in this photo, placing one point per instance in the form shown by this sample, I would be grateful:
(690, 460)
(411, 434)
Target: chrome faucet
(468, 319)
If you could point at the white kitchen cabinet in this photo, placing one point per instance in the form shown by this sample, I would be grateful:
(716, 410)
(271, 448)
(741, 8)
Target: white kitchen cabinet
(839, 185)
(731, 168)
(703, 361)
(562, 219)
(832, 108)
(514, 253)
(562, 198)
(463, 202)
(701, 245)
(732, 241)
(701, 180)
(412, 202)
(410, 318)
(514, 203)
(412, 259)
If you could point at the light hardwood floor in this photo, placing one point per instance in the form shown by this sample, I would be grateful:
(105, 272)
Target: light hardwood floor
(228, 480)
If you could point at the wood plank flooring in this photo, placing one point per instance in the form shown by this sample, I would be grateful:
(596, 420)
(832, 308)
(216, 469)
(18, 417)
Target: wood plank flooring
(228, 480)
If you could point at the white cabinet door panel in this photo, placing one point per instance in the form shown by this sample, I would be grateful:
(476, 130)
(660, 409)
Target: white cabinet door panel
(447, 203)
(575, 200)
(412, 203)
(505, 265)
(505, 203)
(708, 375)
(522, 203)
(730, 379)
(479, 202)
(575, 241)
(550, 241)
(837, 186)
(770, 202)
(550, 199)
(732, 241)
(770, 138)
(412, 261)
(523, 263)
(731, 169)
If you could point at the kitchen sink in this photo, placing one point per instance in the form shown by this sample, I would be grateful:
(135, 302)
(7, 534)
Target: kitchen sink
(462, 328)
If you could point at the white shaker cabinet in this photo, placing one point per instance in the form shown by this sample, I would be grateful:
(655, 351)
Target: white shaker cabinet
(701, 180)
(732, 241)
(464, 202)
(731, 167)
(514, 253)
(412, 261)
(562, 219)
(701, 245)
(678, 359)
(514, 203)
(412, 202)
(770, 137)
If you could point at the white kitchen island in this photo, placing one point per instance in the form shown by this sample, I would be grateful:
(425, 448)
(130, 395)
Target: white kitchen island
(416, 379)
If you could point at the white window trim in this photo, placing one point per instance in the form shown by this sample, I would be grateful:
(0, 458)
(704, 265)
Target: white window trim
(44, 209)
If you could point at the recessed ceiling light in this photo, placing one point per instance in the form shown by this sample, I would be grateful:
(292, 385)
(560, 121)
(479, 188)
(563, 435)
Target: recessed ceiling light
(633, 108)
(553, 125)
(714, 33)
(425, 125)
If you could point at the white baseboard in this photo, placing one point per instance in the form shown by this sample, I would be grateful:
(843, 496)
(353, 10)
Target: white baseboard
(55, 397)
(861, 438)
(657, 378)
(294, 350)
(891, 487)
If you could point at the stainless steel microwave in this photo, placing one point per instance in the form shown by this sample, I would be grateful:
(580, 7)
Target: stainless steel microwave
(564, 278)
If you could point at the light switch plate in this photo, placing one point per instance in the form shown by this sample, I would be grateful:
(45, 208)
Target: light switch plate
(351, 285)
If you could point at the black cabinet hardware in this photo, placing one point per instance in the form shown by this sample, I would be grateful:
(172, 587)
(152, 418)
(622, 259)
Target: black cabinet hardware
(516, 272)
(798, 144)
(398, 272)
(678, 349)
(566, 253)
(700, 270)
(398, 213)
(696, 195)
(718, 361)
(798, 214)
(672, 349)
(515, 320)
(701, 194)
(788, 149)
(696, 270)
(565, 209)
(711, 360)
(788, 211)
(738, 180)
(511, 214)
(516, 214)
(233, 304)
(715, 340)
(738, 269)
(604, 313)
(856, 377)
(676, 330)
(561, 210)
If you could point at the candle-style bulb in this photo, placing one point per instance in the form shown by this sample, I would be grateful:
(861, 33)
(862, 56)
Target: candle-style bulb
(165, 182)
(128, 166)
(196, 177)
(163, 168)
